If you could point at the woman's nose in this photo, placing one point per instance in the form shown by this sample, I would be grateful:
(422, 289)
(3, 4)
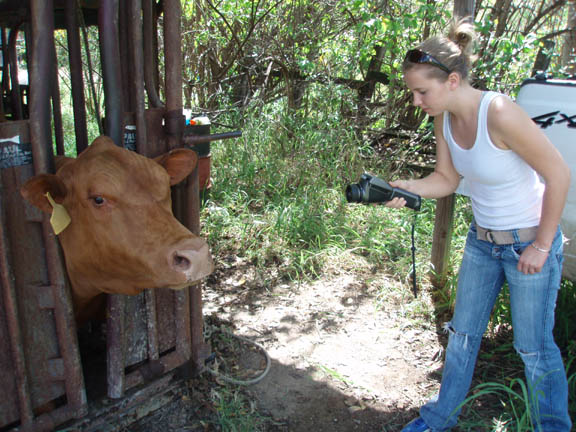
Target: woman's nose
(416, 100)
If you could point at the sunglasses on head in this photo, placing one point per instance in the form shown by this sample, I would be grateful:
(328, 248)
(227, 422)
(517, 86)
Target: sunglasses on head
(421, 57)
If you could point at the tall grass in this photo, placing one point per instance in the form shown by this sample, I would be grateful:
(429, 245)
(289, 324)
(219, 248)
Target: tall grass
(278, 193)
(278, 196)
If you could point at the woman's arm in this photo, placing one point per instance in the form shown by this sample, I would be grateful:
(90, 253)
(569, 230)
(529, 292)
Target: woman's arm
(440, 183)
(511, 127)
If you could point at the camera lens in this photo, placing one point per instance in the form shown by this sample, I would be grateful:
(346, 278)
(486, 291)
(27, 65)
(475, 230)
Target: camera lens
(353, 193)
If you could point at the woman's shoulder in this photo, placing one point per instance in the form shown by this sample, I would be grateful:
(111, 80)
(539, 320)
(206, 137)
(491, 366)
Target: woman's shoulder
(504, 112)
(507, 121)
(499, 102)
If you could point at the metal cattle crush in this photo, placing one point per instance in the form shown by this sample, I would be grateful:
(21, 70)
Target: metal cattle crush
(44, 382)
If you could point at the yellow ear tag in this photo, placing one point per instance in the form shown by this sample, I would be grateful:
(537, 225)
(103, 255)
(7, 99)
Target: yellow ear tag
(60, 218)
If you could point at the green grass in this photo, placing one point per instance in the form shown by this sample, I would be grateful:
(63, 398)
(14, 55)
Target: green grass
(514, 405)
(235, 411)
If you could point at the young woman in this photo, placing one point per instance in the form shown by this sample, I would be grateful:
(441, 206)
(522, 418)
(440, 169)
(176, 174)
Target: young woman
(517, 184)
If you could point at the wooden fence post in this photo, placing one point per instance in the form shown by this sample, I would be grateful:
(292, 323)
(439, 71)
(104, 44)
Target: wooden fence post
(441, 240)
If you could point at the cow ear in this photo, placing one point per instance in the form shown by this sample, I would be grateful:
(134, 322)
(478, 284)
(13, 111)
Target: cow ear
(34, 190)
(179, 163)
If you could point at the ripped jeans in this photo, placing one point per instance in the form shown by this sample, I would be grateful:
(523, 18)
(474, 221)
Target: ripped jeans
(485, 267)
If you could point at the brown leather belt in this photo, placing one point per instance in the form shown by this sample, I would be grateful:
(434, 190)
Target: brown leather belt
(506, 237)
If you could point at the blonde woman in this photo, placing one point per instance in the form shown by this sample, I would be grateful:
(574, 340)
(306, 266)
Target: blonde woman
(517, 184)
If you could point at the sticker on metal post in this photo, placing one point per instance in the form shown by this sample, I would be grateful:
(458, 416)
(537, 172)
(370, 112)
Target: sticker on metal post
(130, 137)
(13, 153)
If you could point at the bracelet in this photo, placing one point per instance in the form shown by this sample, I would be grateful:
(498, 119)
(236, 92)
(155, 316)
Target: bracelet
(539, 249)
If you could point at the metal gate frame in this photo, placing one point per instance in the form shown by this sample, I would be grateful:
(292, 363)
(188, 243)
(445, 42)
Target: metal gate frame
(37, 328)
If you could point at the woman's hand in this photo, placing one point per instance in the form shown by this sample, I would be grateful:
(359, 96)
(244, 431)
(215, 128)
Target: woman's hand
(532, 260)
(398, 202)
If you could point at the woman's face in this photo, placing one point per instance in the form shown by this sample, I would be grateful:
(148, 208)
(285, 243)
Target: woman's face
(429, 94)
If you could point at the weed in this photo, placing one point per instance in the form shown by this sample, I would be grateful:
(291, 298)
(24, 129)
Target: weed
(236, 412)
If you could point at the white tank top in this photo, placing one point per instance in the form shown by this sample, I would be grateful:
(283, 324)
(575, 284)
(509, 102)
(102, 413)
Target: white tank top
(506, 193)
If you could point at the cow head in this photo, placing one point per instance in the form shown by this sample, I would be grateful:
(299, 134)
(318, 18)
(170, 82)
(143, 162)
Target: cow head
(123, 237)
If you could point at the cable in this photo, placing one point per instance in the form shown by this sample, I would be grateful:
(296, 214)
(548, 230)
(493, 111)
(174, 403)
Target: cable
(237, 381)
(414, 283)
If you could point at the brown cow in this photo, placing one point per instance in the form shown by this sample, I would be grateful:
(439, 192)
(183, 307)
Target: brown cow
(123, 237)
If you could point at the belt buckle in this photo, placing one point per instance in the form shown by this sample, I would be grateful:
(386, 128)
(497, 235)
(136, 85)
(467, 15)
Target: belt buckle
(489, 236)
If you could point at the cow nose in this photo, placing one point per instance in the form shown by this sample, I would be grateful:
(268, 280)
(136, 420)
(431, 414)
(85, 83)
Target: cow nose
(192, 259)
(180, 262)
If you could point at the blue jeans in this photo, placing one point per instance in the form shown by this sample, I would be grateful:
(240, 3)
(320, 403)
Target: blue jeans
(484, 269)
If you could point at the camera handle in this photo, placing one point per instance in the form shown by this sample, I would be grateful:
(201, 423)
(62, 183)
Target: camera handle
(413, 201)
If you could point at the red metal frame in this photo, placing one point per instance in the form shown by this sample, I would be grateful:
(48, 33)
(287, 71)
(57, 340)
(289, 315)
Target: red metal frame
(38, 343)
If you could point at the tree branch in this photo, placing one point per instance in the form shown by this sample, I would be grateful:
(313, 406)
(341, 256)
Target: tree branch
(546, 11)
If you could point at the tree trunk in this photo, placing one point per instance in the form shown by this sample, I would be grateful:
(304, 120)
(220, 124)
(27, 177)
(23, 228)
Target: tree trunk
(366, 91)
(502, 10)
(464, 8)
(543, 57)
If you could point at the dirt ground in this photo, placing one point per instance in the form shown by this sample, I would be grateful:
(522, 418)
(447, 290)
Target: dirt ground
(344, 355)
(351, 351)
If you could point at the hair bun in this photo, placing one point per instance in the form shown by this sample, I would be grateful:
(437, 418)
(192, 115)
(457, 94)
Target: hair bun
(462, 33)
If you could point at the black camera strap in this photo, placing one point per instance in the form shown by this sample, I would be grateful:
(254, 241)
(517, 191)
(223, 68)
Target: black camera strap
(414, 284)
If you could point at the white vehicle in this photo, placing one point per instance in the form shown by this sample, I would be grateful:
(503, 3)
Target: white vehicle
(552, 104)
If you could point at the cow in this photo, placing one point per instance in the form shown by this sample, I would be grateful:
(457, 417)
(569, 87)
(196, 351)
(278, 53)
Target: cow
(122, 237)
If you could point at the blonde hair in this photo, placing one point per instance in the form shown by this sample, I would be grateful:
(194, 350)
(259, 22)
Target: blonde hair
(455, 50)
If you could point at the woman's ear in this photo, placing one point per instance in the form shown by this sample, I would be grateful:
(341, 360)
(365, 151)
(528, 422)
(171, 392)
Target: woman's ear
(454, 80)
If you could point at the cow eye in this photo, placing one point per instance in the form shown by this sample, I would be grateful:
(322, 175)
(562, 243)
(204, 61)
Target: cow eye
(98, 200)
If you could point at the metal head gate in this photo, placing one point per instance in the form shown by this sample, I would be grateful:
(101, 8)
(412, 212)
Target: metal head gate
(42, 375)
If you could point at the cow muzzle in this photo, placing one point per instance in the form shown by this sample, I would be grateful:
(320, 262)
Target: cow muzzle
(192, 260)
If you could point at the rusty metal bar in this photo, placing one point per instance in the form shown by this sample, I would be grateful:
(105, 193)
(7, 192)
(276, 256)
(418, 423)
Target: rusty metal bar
(66, 330)
(13, 322)
(5, 64)
(155, 144)
(5, 73)
(41, 71)
(175, 120)
(115, 345)
(174, 128)
(42, 59)
(17, 112)
(75, 61)
(138, 73)
(150, 56)
(2, 111)
(110, 56)
(125, 61)
(57, 110)
(200, 350)
(191, 140)
(156, 12)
